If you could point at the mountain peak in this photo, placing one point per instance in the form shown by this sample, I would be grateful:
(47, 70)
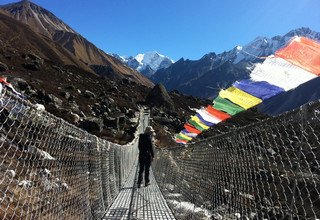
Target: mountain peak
(38, 18)
(146, 63)
(25, 1)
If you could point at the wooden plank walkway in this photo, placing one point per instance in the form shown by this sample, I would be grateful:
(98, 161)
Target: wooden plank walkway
(144, 203)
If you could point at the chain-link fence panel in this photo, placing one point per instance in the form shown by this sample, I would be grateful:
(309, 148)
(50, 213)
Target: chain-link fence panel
(268, 170)
(50, 169)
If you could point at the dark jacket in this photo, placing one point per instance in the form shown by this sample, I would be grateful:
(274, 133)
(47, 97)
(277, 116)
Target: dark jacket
(145, 146)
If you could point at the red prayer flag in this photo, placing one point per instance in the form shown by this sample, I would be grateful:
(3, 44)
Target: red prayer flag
(302, 52)
(181, 141)
(191, 129)
(219, 114)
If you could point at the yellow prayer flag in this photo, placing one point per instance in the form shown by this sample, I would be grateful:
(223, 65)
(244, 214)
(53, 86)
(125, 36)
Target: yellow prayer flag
(196, 119)
(185, 136)
(239, 97)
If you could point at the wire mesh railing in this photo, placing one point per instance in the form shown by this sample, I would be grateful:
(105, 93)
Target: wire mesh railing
(268, 170)
(50, 169)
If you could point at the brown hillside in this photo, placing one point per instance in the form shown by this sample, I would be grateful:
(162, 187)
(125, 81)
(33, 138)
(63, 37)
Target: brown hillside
(89, 54)
(38, 18)
(46, 23)
(20, 37)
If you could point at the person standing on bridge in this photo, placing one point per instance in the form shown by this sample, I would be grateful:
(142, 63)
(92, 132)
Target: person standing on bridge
(146, 155)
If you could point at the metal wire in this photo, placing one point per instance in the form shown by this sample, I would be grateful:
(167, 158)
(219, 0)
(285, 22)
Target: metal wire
(50, 169)
(268, 170)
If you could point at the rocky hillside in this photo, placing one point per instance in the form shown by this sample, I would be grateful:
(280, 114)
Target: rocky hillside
(38, 18)
(48, 74)
(46, 23)
(205, 77)
(18, 37)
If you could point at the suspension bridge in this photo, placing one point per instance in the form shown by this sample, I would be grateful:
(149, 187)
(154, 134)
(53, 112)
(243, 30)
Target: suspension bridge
(50, 169)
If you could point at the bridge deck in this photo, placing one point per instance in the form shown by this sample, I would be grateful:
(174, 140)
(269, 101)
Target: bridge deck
(143, 203)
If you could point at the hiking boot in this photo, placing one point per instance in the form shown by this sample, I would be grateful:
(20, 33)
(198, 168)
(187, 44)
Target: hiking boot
(147, 184)
(139, 185)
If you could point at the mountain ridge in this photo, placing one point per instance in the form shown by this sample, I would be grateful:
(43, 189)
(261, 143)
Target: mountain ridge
(147, 63)
(186, 75)
(46, 23)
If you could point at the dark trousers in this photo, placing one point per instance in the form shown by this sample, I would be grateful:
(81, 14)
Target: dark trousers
(144, 166)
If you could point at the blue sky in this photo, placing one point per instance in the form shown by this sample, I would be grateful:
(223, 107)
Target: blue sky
(176, 28)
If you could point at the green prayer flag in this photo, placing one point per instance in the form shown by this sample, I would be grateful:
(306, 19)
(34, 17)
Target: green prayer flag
(182, 138)
(196, 125)
(227, 106)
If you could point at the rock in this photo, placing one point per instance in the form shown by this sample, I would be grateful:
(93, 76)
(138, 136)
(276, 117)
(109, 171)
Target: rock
(35, 62)
(74, 107)
(103, 94)
(41, 96)
(111, 100)
(32, 66)
(114, 89)
(159, 97)
(72, 117)
(81, 114)
(123, 109)
(20, 83)
(34, 58)
(126, 96)
(71, 98)
(65, 94)
(3, 67)
(89, 94)
(131, 129)
(121, 119)
(110, 122)
(51, 99)
(92, 124)
(31, 93)
(126, 81)
(116, 110)
(130, 113)
(71, 87)
(107, 110)
(166, 121)
(58, 68)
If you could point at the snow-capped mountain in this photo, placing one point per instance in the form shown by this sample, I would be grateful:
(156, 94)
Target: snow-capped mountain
(147, 63)
(206, 76)
(263, 46)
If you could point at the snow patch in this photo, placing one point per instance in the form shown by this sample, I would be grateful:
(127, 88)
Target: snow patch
(239, 47)
(25, 184)
(40, 107)
(188, 206)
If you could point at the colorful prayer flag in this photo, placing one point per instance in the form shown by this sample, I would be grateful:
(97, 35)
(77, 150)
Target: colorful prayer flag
(196, 119)
(191, 128)
(183, 137)
(281, 73)
(208, 123)
(226, 106)
(240, 97)
(302, 52)
(189, 134)
(262, 90)
(216, 113)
